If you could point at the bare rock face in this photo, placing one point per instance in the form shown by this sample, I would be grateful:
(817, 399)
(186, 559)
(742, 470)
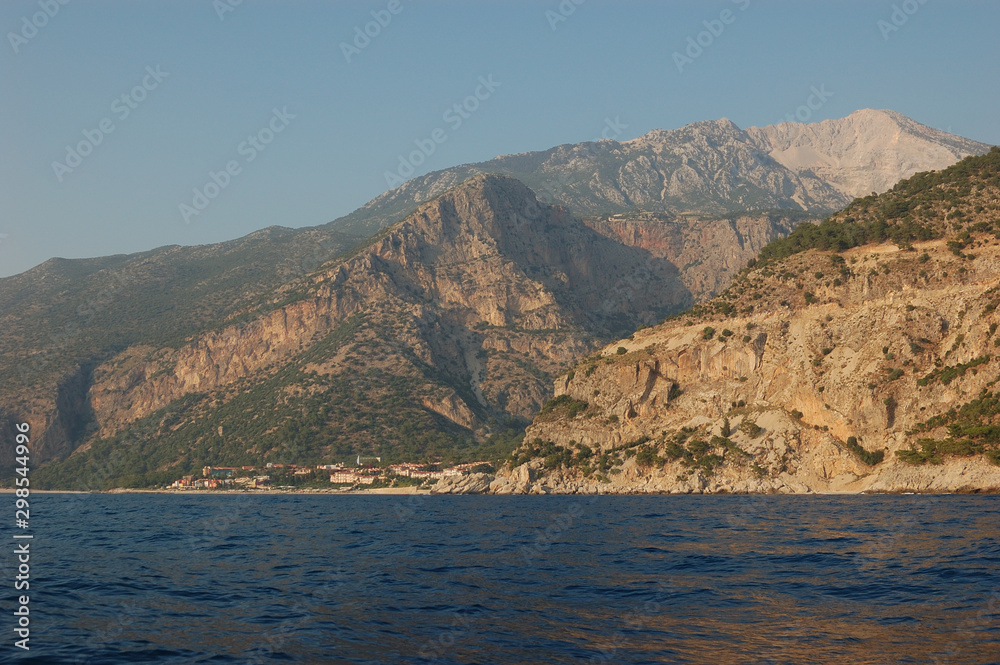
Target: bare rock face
(708, 252)
(474, 483)
(869, 369)
(868, 151)
(798, 386)
(480, 298)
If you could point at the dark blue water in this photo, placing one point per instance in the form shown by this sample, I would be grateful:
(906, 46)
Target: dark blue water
(397, 579)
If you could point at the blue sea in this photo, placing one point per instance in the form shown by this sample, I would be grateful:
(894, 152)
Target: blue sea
(506, 579)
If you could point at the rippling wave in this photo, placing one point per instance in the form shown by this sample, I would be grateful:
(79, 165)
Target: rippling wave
(470, 579)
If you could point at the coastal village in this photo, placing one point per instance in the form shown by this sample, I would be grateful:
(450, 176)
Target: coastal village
(365, 472)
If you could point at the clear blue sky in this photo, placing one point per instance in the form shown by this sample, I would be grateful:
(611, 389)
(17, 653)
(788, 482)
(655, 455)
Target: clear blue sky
(225, 76)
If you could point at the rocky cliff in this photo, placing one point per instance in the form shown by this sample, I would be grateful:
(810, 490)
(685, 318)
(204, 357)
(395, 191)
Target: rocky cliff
(483, 268)
(708, 252)
(859, 355)
(63, 318)
(453, 319)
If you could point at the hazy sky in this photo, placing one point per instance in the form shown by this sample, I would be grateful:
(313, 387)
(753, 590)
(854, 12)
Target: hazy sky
(114, 112)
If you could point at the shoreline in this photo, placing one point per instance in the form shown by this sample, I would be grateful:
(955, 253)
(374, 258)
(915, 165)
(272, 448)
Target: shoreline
(378, 490)
(395, 491)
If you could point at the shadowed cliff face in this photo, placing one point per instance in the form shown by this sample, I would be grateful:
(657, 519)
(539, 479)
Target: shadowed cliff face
(464, 312)
(707, 252)
(54, 430)
(63, 318)
(552, 265)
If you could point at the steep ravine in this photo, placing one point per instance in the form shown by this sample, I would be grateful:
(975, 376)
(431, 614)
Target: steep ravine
(708, 252)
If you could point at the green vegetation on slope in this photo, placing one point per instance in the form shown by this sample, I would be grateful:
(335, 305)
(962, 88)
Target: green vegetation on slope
(868, 457)
(973, 429)
(958, 205)
(65, 313)
(694, 449)
(915, 209)
(294, 415)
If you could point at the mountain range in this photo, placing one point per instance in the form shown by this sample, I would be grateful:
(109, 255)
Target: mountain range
(439, 335)
(713, 168)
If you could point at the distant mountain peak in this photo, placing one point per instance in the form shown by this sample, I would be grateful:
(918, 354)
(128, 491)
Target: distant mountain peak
(869, 150)
(864, 114)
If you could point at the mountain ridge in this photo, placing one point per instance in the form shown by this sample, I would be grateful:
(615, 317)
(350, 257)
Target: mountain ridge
(689, 169)
(457, 316)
